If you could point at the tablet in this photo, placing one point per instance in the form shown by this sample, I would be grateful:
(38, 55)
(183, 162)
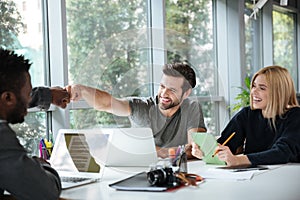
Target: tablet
(208, 143)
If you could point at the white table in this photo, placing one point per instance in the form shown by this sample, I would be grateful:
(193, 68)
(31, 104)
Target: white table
(281, 182)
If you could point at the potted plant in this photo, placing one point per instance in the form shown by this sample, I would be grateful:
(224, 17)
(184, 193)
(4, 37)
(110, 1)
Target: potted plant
(243, 98)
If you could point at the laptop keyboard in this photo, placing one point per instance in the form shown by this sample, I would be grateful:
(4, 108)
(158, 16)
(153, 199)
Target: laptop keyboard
(73, 179)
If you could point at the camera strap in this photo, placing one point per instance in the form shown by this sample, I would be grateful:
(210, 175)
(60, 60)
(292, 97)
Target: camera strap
(189, 179)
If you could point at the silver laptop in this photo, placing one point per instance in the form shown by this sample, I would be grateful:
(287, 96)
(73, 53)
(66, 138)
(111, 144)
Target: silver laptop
(130, 147)
(83, 154)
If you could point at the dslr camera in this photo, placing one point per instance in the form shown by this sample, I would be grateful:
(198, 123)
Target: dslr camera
(163, 176)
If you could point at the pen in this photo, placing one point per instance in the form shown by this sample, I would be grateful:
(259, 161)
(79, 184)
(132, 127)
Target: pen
(41, 149)
(178, 151)
(44, 149)
(224, 143)
(250, 169)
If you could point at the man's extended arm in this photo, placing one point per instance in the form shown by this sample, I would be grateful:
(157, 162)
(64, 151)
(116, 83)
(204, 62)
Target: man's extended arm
(99, 99)
(42, 97)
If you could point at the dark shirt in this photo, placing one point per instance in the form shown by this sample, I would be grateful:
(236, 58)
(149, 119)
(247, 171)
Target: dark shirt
(262, 143)
(41, 98)
(23, 177)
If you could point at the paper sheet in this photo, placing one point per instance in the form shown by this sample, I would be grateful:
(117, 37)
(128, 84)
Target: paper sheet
(223, 174)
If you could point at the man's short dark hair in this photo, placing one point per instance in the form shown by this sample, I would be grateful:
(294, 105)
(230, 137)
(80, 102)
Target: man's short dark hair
(12, 69)
(181, 69)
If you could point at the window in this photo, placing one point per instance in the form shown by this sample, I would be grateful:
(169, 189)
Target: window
(189, 36)
(119, 46)
(108, 47)
(284, 35)
(18, 35)
(252, 41)
(283, 31)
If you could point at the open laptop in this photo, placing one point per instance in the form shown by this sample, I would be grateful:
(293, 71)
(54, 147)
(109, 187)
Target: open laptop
(84, 153)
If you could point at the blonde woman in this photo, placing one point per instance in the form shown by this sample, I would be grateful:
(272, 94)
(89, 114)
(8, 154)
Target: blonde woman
(268, 131)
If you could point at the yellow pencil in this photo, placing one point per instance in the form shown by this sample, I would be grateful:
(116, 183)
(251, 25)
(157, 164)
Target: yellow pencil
(224, 143)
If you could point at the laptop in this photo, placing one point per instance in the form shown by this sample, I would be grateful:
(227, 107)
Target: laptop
(81, 155)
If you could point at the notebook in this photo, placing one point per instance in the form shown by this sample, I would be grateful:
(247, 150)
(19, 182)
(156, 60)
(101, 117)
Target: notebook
(139, 182)
(207, 142)
(84, 153)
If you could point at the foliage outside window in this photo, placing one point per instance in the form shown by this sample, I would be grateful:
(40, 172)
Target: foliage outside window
(284, 35)
(31, 131)
(189, 30)
(18, 25)
(109, 49)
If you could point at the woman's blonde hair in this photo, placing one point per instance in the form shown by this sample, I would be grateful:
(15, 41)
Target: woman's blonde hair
(282, 94)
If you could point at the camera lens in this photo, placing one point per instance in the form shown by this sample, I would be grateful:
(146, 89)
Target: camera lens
(157, 177)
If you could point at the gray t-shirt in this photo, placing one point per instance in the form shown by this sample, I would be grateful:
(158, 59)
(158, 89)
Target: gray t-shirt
(167, 131)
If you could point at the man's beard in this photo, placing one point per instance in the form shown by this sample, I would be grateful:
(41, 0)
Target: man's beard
(169, 106)
(18, 113)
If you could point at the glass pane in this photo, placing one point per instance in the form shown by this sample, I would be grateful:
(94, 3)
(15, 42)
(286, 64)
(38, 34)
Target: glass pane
(252, 41)
(31, 131)
(21, 30)
(189, 37)
(108, 49)
(91, 118)
(209, 112)
(284, 35)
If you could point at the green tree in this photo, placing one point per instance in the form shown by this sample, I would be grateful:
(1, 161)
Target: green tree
(101, 51)
(10, 24)
(190, 37)
(284, 45)
(189, 25)
(109, 47)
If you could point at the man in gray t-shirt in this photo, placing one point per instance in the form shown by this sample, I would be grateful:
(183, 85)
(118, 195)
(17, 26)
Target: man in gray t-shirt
(168, 131)
(172, 115)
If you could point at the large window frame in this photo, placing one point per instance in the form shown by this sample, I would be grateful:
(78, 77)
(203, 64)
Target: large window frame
(230, 56)
(59, 40)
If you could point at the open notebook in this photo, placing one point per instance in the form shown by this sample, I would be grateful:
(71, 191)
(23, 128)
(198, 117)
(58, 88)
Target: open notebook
(85, 152)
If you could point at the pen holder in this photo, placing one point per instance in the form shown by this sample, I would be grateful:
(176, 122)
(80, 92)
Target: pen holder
(45, 149)
(183, 163)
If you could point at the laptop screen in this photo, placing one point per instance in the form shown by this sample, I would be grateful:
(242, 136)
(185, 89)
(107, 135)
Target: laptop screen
(74, 150)
(80, 152)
